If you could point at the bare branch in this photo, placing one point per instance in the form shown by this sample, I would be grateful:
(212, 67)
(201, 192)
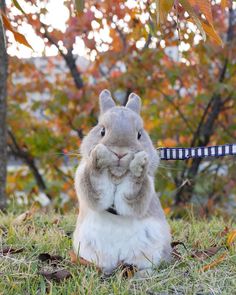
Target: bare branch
(18, 152)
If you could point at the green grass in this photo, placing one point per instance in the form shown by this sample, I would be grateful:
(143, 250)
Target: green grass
(19, 273)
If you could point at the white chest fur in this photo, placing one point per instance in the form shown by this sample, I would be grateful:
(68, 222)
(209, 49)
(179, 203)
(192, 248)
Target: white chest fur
(108, 240)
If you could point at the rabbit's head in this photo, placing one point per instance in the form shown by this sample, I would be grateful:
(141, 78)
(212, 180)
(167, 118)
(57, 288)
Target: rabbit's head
(120, 129)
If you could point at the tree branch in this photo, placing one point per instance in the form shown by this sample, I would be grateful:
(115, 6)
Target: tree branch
(205, 128)
(29, 160)
(68, 57)
(181, 114)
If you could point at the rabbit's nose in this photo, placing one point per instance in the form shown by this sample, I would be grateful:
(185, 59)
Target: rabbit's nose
(119, 156)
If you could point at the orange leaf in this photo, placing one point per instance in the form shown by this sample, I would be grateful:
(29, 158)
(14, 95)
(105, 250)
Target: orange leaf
(80, 260)
(212, 33)
(18, 36)
(167, 210)
(73, 257)
(214, 263)
(163, 8)
(231, 238)
(226, 3)
(169, 142)
(204, 7)
(191, 11)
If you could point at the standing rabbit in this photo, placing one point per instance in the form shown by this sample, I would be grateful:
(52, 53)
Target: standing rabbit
(120, 219)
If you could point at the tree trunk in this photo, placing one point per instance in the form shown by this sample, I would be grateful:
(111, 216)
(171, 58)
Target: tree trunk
(3, 111)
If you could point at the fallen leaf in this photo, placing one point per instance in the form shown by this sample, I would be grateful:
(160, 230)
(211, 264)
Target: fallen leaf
(73, 257)
(10, 250)
(46, 257)
(128, 270)
(214, 263)
(224, 232)
(82, 261)
(231, 239)
(167, 210)
(175, 252)
(58, 275)
(22, 218)
(176, 243)
(56, 221)
(201, 255)
(69, 233)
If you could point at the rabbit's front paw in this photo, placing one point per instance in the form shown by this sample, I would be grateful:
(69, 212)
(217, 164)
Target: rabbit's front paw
(100, 156)
(139, 164)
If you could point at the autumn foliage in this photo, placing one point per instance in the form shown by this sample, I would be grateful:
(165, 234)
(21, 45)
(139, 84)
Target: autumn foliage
(153, 48)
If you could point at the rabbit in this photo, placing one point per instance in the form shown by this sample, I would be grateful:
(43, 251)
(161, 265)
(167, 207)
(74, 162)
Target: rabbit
(120, 219)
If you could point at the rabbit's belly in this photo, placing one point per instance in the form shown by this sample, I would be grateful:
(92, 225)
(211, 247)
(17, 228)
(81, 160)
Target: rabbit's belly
(109, 240)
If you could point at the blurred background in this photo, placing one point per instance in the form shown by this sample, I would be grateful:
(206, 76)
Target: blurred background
(187, 86)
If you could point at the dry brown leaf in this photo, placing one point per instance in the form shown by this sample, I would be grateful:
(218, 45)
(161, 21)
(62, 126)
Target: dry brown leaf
(224, 232)
(84, 262)
(214, 263)
(22, 218)
(176, 243)
(231, 239)
(46, 257)
(10, 250)
(175, 252)
(73, 257)
(128, 270)
(57, 275)
(80, 260)
(201, 255)
(56, 221)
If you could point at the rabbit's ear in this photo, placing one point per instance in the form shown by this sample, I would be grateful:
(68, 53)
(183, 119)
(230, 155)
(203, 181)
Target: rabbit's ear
(134, 103)
(105, 101)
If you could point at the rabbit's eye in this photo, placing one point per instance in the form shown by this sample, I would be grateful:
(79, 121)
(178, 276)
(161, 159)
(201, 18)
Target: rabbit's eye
(103, 131)
(139, 135)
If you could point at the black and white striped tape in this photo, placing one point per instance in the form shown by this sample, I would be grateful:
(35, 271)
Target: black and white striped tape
(197, 152)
